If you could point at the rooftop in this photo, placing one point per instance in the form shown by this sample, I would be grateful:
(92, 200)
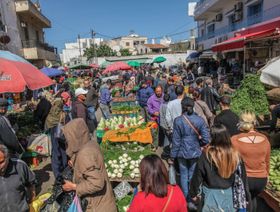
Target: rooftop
(155, 46)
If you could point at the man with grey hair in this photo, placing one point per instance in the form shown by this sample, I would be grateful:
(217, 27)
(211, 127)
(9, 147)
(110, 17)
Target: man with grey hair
(17, 183)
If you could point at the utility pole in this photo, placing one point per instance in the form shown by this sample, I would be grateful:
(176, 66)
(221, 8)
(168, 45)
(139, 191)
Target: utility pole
(93, 33)
(79, 42)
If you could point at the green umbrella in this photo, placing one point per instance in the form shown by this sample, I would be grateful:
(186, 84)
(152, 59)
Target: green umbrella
(105, 64)
(133, 63)
(159, 59)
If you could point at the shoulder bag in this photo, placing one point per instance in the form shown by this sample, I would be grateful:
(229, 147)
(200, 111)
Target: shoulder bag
(194, 129)
(168, 200)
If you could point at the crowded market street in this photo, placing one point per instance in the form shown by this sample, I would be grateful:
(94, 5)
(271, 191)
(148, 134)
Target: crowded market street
(152, 122)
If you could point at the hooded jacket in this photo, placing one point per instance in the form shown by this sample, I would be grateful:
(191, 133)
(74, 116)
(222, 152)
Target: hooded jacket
(90, 173)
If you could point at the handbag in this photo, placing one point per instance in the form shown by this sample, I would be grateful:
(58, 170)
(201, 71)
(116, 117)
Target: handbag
(238, 189)
(194, 129)
(168, 200)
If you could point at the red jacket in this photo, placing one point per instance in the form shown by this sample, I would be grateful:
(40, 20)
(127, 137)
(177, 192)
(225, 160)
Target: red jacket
(143, 203)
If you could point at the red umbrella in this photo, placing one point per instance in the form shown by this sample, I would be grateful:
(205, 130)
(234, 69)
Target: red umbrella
(94, 66)
(116, 66)
(15, 75)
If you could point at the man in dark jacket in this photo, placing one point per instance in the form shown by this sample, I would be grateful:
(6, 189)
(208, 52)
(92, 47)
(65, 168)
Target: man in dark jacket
(144, 93)
(42, 110)
(79, 109)
(7, 133)
(210, 96)
(91, 101)
(227, 118)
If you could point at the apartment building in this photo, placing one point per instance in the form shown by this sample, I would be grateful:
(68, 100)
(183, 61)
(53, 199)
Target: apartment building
(240, 28)
(76, 49)
(129, 42)
(31, 24)
(9, 34)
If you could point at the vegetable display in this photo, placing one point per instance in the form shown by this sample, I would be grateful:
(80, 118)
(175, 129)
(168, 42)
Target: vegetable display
(251, 96)
(122, 159)
(124, 109)
(25, 123)
(274, 172)
(124, 203)
(119, 122)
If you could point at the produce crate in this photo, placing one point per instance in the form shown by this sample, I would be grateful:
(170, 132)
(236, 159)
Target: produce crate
(272, 198)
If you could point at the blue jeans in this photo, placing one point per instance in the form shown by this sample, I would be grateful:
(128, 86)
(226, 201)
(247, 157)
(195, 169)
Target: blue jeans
(91, 114)
(105, 111)
(186, 167)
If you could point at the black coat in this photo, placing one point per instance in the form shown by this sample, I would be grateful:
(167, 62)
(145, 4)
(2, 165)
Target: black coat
(211, 97)
(8, 137)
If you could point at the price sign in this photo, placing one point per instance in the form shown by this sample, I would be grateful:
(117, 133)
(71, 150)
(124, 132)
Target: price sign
(122, 190)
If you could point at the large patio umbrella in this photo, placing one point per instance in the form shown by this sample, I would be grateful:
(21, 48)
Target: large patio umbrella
(159, 59)
(17, 73)
(116, 66)
(94, 66)
(133, 63)
(52, 72)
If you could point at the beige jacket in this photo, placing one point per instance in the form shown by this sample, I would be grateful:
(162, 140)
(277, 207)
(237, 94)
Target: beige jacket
(89, 169)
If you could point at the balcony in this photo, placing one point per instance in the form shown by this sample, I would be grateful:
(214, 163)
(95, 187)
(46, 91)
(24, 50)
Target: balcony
(34, 50)
(208, 6)
(246, 22)
(31, 12)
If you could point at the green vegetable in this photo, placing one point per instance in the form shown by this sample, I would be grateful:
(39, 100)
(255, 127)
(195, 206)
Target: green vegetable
(251, 96)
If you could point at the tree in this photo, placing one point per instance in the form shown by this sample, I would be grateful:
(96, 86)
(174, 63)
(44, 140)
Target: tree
(100, 51)
(125, 52)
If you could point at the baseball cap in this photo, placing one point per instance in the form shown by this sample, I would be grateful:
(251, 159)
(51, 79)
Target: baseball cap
(80, 91)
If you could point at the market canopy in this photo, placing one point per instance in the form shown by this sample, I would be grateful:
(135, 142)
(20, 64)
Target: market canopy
(94, 66)
(238, 42)
(52, 72)
(17, 73)
(159, 59)
(80, 66)
(116, 67)
(270, 73)
(105, 64)
(134, 63)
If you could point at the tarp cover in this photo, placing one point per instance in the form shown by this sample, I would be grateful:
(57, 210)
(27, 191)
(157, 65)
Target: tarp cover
(270, 73)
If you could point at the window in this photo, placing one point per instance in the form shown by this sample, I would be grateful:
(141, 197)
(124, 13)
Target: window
(255, 13)
(127, 44)
(231, 23)
(37, 36)
(211, 31)
(142, 42)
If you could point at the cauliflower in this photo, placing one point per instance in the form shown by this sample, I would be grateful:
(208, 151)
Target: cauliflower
(119, 175)
(132, 175)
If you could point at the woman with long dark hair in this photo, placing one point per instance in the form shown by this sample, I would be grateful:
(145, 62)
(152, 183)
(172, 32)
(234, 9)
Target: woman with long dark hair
(156, 194)
(216, 172)
(190, 133)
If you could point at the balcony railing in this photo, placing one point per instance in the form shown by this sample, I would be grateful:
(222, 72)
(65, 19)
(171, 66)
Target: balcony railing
(246, 22)
(38, 44)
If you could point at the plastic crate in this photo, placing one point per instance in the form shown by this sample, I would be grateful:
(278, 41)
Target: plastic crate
(100, 133)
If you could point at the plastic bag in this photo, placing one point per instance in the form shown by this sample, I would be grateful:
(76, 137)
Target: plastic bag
(172, 175)
(40, 144)
(75, 206)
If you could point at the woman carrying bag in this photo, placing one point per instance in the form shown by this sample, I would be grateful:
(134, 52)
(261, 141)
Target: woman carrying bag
(221, 174)
(190, 134)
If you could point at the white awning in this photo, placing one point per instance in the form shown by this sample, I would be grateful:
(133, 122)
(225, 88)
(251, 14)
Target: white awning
(270, 73)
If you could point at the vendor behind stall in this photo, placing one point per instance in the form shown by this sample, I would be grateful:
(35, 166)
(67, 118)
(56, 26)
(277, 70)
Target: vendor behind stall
(275, 113)
(7, 135)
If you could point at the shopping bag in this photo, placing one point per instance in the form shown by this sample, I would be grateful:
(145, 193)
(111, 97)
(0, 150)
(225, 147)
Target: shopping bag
(172, 175)
(75, 206)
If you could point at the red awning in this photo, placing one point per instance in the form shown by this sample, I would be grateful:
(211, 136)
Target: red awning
(239, 41)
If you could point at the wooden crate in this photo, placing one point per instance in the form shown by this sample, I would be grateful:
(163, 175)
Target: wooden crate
(272, 198)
